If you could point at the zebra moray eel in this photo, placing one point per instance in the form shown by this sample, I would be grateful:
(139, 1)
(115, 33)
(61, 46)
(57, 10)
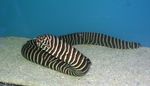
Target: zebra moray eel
(58, 53)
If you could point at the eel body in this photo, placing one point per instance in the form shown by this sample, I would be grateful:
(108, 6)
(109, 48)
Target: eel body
(59, 54)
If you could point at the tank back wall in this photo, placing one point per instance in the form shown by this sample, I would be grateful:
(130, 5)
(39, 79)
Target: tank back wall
(125, 19)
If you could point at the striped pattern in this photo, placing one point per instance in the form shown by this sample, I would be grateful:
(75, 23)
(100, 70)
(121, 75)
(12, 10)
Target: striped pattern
(98, 39)
(58, 54)
(61, 57)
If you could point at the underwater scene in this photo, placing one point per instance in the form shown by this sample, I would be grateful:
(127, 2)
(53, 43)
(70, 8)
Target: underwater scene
(74, 43)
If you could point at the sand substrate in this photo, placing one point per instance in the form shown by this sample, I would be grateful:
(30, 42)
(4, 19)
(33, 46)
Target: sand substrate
(110, 67)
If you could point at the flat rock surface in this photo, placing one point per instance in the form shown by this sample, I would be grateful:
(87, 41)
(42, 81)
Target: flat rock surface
(110, 67)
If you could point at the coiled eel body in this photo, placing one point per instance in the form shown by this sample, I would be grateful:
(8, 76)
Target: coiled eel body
(58, 53)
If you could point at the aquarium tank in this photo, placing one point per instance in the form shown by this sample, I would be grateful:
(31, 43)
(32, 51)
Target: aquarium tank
(127, 19)
(24, 23)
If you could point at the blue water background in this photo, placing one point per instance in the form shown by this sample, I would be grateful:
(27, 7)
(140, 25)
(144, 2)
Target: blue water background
(125, 19)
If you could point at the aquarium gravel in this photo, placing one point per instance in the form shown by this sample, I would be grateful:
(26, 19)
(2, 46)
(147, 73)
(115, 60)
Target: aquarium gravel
(110, 67)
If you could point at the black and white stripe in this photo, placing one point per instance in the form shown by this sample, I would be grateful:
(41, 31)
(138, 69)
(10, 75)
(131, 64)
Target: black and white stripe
(58, 53)
(61, 56)
(64, 52)
(98, 39)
